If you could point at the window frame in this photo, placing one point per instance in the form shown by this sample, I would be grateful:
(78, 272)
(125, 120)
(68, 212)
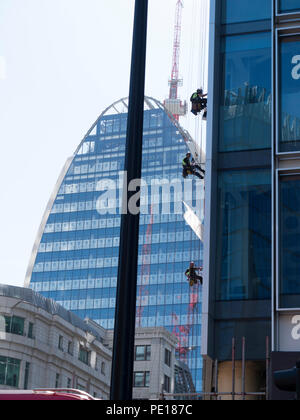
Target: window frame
(146, 379)
(280, 173)
(225, 55)
(285, 14)
(167, 383)
(279, 34)
(168, 357)
(146, 354)
(83, 351)
(11, 363)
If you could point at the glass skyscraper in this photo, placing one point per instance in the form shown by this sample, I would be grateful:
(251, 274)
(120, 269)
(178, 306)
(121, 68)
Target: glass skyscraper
(251, 291)
(75, 257)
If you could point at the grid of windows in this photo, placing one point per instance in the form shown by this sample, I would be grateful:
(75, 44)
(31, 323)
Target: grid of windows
(287, 129)
(77, 259)
(255, 65)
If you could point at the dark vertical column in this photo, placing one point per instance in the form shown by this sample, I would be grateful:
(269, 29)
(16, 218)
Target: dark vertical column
(298, 380)
(123, 350)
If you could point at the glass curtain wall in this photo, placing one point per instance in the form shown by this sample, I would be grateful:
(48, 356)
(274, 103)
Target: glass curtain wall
(288, 6)
(77, 262)
(289, 243)
(254, 10)
(288, 136)
(288, 92)
(244, 239)
(245, 122)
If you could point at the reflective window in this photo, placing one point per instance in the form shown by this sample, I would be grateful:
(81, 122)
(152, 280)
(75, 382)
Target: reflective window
(245, 117)
(244, 254)
(9, 371)
(289, 89)
(289, 241)
(288, 6)
(232, 11)
(77, 262)
(167, 383)
(141, 379)
(12, 324)
(168, 357)
(142, 353)
(84, 355)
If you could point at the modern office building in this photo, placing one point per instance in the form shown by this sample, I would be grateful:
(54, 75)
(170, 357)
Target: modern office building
(251, 247)
(75, 256)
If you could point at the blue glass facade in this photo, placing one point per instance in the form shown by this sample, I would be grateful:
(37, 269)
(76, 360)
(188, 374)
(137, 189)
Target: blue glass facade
(245, 214)
(288, 86)
(76, 262)
(289, 240)
(254, 10)
(238, 247)
(245, 122)
(288, 6)
(251, 249)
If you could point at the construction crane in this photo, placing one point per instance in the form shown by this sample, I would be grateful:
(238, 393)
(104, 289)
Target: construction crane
(184, 332)
(173, 103)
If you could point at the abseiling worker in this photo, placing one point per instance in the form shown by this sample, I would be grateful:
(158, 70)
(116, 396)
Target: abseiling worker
(199, 102)
(190, 167)
(192, 276)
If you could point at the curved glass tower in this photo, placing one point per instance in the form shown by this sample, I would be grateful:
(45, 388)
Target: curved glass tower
(75, 257)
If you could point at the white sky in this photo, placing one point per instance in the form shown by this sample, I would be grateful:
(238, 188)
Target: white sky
(62, 62)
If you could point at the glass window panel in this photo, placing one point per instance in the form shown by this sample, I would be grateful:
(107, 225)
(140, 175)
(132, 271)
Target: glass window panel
(9, 371)
(289, 90)
(140, 353)
(245, 116)
(244, 255)
(139, 379)
(17, 325)
(289, 241)
(232, 11)
(84, 355)
(147, 379)
(167, 383)
(288, 6)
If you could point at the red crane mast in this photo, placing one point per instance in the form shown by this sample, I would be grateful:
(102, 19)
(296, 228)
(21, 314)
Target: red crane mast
(184, 332)
(175, 81)
(173, 104)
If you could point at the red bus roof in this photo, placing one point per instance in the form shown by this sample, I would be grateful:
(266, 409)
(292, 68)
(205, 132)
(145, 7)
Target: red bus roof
(45, 394)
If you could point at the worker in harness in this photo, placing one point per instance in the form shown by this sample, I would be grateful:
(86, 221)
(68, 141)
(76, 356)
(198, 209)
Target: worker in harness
(199, 102)
(190, 167)
(192, 276)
